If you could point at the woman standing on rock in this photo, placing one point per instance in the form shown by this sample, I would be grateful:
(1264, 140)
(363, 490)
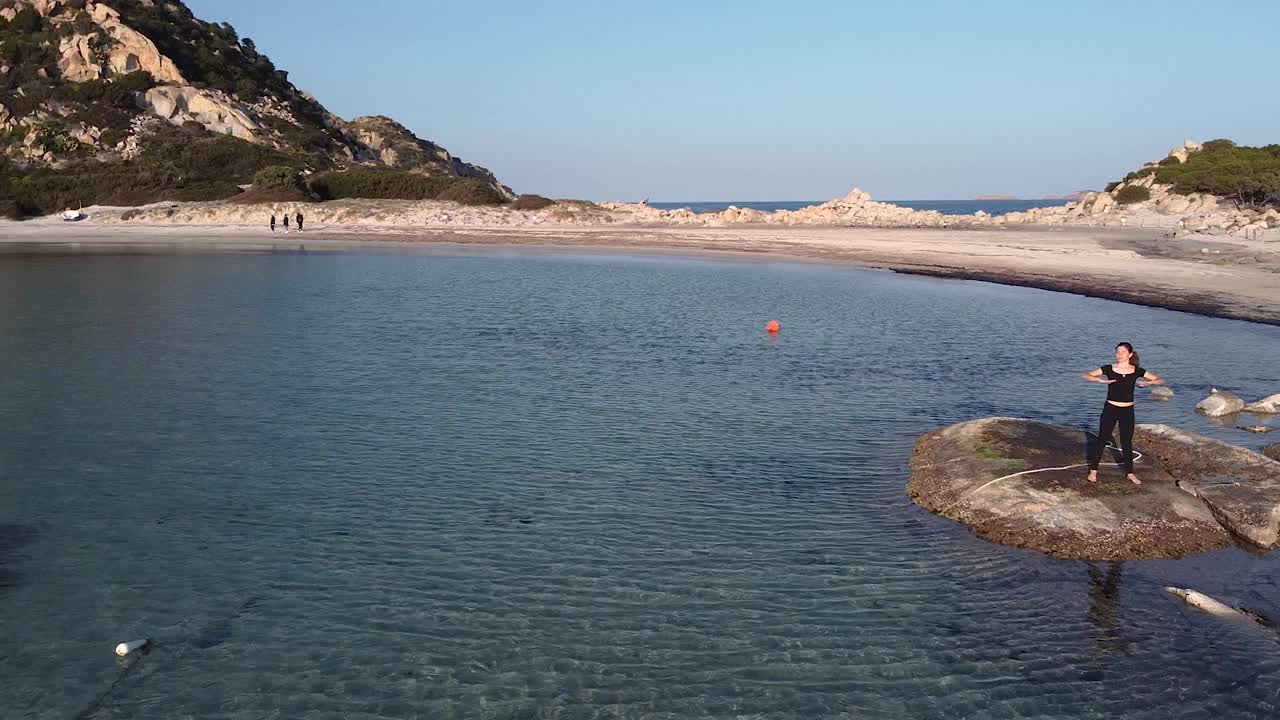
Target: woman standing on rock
(1119, 379)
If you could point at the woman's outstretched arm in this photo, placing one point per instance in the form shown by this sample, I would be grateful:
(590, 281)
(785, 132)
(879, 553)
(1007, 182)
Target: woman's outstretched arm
(1095, 375)
(1151, 379)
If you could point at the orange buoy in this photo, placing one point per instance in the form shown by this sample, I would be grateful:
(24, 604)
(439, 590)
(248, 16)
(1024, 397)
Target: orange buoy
(773, 326)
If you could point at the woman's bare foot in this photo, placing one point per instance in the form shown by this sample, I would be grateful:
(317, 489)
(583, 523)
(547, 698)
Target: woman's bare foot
(1133, 479)
(1093, 476)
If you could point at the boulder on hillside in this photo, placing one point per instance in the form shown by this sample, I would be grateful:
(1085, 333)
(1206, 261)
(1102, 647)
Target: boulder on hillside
(1022, 483)
(1219, 403)
(214, 110)
(386, 141)
(131, 50)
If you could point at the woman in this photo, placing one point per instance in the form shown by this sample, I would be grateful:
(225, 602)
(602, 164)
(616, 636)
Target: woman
(1119, 379)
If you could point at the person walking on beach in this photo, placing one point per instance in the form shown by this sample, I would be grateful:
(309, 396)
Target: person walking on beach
(299, 219)
(286, 222)
(1119, 379)
(273, 222)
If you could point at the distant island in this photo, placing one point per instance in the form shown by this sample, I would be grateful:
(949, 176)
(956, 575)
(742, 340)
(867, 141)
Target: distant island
(1071, 196)
(1076, 196)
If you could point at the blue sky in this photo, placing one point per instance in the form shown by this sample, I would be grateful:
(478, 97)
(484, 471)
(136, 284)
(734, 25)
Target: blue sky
(786, 101)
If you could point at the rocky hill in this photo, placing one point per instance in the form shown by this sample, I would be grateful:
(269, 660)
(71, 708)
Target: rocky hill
(138, 100)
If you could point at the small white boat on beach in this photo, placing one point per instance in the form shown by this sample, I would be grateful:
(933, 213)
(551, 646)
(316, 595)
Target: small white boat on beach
(70, 215)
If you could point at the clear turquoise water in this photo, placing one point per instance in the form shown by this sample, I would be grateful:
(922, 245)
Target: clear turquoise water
(518, 486)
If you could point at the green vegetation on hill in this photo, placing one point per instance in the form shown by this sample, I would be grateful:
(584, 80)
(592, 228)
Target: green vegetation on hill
(192, 164)
(403, 185)
(1248, 175)
(208, 55)
(185, 163)
(29, 46)
(67, 141)
(1133, 194)
(531, 202)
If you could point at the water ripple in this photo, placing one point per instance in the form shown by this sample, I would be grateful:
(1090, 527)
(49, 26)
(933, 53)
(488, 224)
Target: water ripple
(554, 487)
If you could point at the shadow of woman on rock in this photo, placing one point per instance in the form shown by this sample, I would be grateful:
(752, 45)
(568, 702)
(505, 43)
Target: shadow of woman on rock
(1104, 606)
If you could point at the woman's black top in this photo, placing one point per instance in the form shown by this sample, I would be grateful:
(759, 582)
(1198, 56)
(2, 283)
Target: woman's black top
(1122, 389)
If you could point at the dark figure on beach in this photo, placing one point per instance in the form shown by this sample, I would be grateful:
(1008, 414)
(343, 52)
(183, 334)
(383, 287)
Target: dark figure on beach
(299, 219)
(273, 223)
(1119, 379)
(286, 222)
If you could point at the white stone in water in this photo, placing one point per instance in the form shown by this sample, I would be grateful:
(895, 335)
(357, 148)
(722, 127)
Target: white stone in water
(1219, 403)
(1269, 405)
(125, 648)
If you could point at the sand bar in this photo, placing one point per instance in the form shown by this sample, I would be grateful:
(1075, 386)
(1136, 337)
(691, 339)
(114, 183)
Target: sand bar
(1217, 276)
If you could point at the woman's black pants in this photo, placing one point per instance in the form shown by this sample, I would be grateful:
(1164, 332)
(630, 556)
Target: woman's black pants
(1111, 416)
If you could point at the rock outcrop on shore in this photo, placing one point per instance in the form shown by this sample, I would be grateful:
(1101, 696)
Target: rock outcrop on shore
(1173, 213)
(1195, 213)
(1022, 483)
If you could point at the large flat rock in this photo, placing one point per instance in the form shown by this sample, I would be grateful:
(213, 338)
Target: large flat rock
(1240, 487)
(1022, 483)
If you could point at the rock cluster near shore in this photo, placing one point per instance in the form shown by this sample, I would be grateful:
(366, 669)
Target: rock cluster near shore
(1022, 483)
(1193, 213)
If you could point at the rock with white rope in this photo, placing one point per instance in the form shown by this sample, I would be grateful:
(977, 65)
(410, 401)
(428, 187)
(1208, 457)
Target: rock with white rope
(1023, 483)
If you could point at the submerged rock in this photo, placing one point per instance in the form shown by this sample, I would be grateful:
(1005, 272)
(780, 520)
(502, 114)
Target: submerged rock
(1022, 483)
(1269, 405)
(1160, 392)
(1219, 403)
(1213, 606)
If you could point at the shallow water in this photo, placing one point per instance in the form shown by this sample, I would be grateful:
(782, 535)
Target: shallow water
(517, 486)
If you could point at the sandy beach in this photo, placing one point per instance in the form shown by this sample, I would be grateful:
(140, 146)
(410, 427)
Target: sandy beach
(1221, 276)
